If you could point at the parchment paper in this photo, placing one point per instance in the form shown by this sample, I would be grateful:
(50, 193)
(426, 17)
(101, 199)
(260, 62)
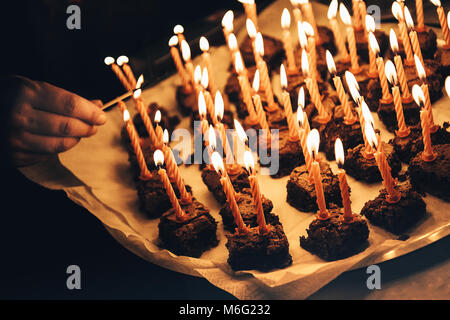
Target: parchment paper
(96, 175)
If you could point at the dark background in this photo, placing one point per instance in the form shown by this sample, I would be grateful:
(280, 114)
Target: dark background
(42, 232)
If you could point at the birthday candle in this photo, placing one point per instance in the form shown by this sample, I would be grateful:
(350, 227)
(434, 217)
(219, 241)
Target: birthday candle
(204, 46)
(332, 12)
(443, 22)
(343, 185)
(345, 17)
(122, 61)
(292, 125)
(387, 97)
(109, 61)
(399, 66)
(398, 14)
(287, 41)
(173, 42)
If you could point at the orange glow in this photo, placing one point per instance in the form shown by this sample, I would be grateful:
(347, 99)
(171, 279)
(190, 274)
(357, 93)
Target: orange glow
(109, 60)
(217, 162)
(301, 35)
(370, 135)
(126, 115)
(178, 29)
(232, 42)
(240, 131)
(397, 11)
(391, 72)
(122, 59)
(140, 81)
(332, 9)
(393, 40)
(205, 78)
(312, 142)
(249, 162)
(285, 19)
(408, 19)
(218, 105)
(256, 81)
(339, 152)
(305, 64)
(166, 136)
(370, 23)
(330, 63)
(309, 30)
(345, 15)
(366, 113)
(197, 74)
(238, 64)
(373, 43)
(137, 93)
(420, 70)
(158, 116)
(418, 95)
(185, 51)
(158, 157)
(212, 137)
(283, 78)
(437, 3)
(251, 29)
(201, 104)
(173, 41)
(204, 44)
(227, 21)
(259, 44)
(301, 98)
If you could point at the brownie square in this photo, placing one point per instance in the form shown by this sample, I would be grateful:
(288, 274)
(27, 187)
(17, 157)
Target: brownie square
(386, 113)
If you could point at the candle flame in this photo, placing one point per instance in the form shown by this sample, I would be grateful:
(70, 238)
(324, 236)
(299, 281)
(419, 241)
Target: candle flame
(312, 142)
(301, 98)
(212, 137)
(408, 19)
(373, 43)
(173, 41)
(256, 81)
(448, 19)
(240, 131)
(137, 93)
(309, 30)
(418, 95)
(370, 23)
(332, 9)
(158, 157)
(330, 62)
(205, 78)
(247, 1)
(437, 3)
(197, 74)
(218, 106)
(367, 115)
(259, 44)
(303, 1)
(178, 29)
(227, 21)
(305, 64)
(232, 42)
(217, 162)
(109, 60)
(122, 59)
(166, 136)
(301, 35)
(397, 11)
(285, 19)
(204, 44)
(140, 81)
(339, 152)
(158, 116)
(249, 162)
(393, 41)
(447, 86)
(185, 51)
(420, 70)
(201, 104)
(370, 135)
(391, 72)
(238, 64)
(353, 86)
(283, 78)
(300, 116)
(345, 15)
(126, 115)
(251, 29)
(295, 2)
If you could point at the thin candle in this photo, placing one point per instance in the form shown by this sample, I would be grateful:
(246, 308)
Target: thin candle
(110, 61)
(178, 30)
(123, 61)
(250, 11)
(173, 42)
(407, 97)
(307, 10)
(424, 86)
(420, 19)
(357, 19)
(204, 46)
(387, 97)
(145, 117)
(370, 27)
(245, 88)
(264, 73)
(186, 54)
(259, 107)
(345, 17)
(443, 21)
(397, 11)
(413, 35)
(227, 24)
(285, 97)
(340, 43)
(158, 130)
(287, 41)
(343, 185)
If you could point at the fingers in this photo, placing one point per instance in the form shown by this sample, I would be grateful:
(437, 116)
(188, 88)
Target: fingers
(30, 142)
(65, 103)
(51, 124)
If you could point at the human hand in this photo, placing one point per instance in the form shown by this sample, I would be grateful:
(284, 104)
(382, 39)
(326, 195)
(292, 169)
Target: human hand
(45, 120)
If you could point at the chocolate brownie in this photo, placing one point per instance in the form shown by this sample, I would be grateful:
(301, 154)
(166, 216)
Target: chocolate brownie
(427, 42)
(301, 193)
(408, 147)
(362, 45)
(248, 212)
(434, 176)
(191, 237)
(334, 239)
(168, 121)
(396, 217)
(273, 52)
(187, 101)
(262, 252)
(443, 58)
(386, 113)
(362, 169)
(434, 78)
(233, 89)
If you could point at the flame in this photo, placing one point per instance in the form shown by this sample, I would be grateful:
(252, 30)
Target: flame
(418, 95)
(122, 59)
(408, 19)
(283, 78)
(256, 81)
(212, 137)
(249, 162)
(185, 50)
(173, 41)
(345, 15)
(397, 11)
(370, 135)
(330, 63)
(217, 162)
(307, 27)
(420, 70)
(240, 131)
(370, 23)
(158, 116)
(373, 43)
(166, 136)
(247, 1)
(251, 29)
(393, 40)
(312, 142)
(137, 93)
(218, 105)
(437, 3)
(227, 21)
(448, 19)
(197, 74)
(366, 113)
(204, 44)
(339, 152)
(205, 78)
(201, 104)
(126, 115)
(301, 35)
(391, 72)
(305, 64)
(332, 9)
(232, 42)
(238, 64)
(447, 86)
(301, 98)
(259, 44)
(295, 2)
(109, 60)
(140, 81)
(178, 29)
(303, 1)
(158, 157)
(285, 19)
(353, 86)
